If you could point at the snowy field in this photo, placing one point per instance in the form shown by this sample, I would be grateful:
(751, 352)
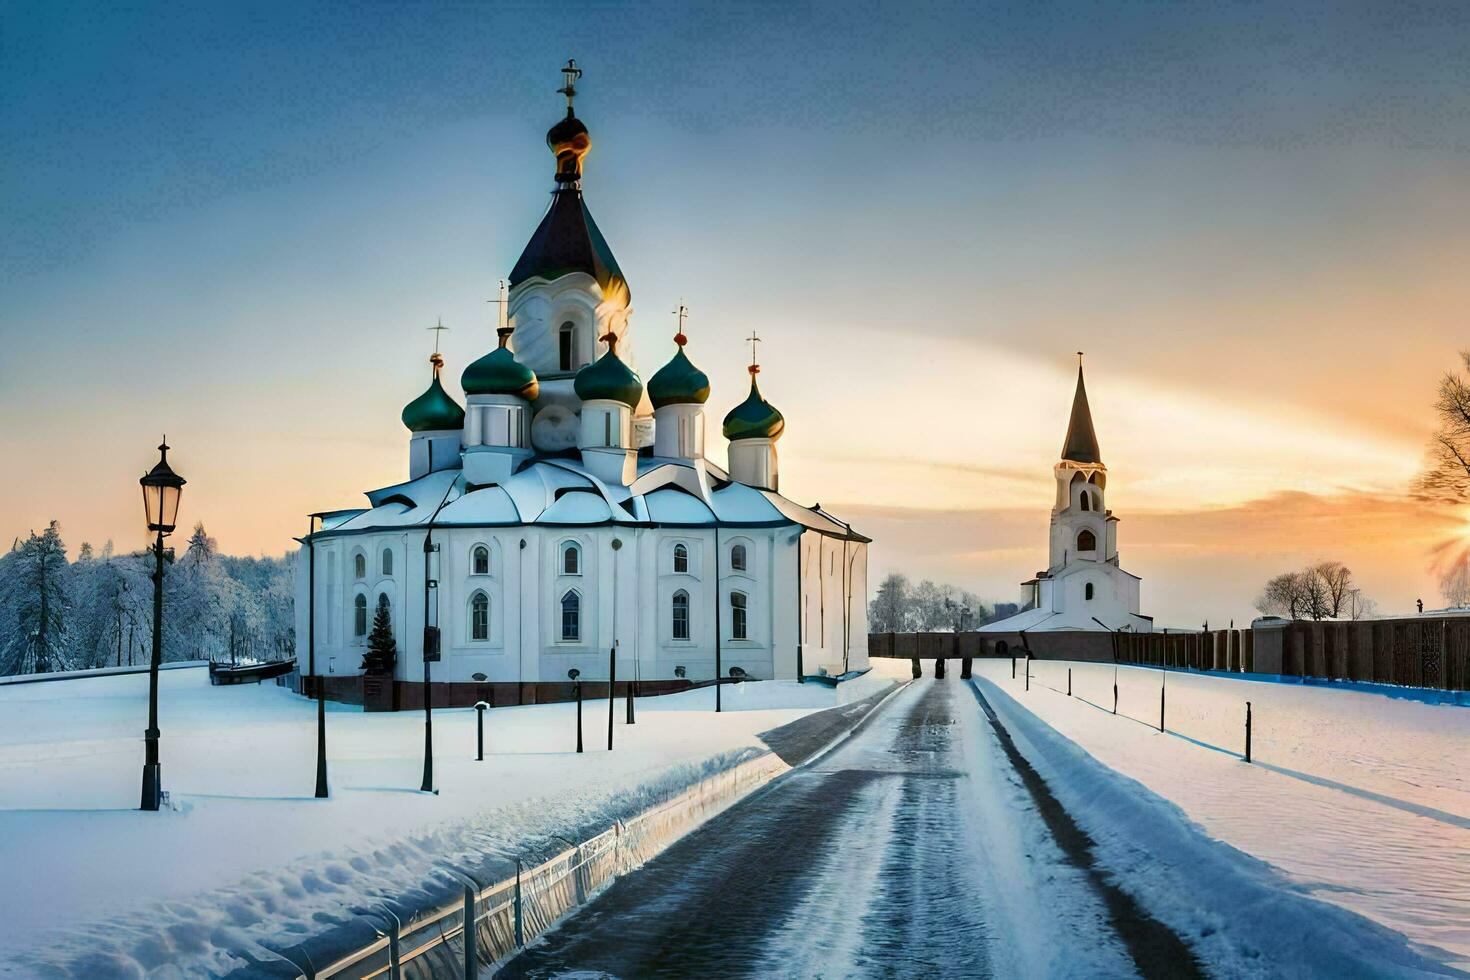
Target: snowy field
(94, 887)
(1362, 800)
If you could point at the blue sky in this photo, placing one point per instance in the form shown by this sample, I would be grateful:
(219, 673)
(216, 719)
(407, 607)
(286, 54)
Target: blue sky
(1252, 216)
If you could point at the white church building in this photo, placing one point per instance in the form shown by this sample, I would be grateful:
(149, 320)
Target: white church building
(1083, 586)
(565, 512)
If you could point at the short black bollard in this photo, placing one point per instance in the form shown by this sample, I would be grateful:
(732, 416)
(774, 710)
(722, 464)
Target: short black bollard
(1115, 692)
(1162, 684)
(1069, 682)
(1247, 731)
(480, 707)
(628, 690)
(574, 673)
(1028, 671)
(918, 668)
(1013, 668)
(939, 668)
(965, 663)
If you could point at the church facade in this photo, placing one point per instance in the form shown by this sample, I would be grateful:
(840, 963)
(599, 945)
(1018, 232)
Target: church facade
(566, 514)
(1084, 586)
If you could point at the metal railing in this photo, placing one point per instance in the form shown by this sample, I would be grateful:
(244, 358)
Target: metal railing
(506, 915)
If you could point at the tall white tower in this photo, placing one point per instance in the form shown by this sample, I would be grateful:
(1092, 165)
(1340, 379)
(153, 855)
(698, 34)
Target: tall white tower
(1082, 529)
(567, 293)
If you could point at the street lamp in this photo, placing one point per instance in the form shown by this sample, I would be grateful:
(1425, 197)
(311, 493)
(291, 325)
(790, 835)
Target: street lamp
(162, 488)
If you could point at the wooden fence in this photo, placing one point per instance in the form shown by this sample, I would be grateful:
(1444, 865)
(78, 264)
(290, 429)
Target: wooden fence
(1229, 650)
(1420, 651)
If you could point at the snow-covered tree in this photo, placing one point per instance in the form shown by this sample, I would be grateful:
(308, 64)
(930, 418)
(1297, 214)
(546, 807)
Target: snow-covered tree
(34, 589)
(382, 651)
(889, 610)
(1454, 584)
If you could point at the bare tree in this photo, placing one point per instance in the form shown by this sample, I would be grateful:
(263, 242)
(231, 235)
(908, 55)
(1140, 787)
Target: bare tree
(1321, 591)
(1337, 582)
(1454, 585)
(1283, 595)
(1446, 475)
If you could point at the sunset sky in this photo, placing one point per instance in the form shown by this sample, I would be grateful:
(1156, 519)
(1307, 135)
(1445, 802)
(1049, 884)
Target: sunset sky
(236, 226)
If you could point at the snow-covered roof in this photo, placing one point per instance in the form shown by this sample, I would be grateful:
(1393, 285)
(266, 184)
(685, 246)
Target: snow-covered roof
(561, 492)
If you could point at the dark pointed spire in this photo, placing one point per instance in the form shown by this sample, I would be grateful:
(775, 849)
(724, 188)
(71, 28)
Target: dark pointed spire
(1081, 443)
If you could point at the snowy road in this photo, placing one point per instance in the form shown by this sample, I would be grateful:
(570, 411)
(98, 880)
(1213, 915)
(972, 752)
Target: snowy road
(921, 846)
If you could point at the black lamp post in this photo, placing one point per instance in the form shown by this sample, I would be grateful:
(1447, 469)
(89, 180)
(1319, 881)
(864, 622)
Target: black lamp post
(162, 488)
(573, 674)
(317, 682)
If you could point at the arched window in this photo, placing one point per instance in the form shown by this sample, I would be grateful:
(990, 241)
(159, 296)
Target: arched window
(480, 560)
(571, 617)
(1086, 541)
(359, 614)
(738, 627)
(737, 558)
(1087, 592)
(359, 566)
(387, 561)
(571, 560)
(681, 615)
(479, 616)
(681, 563)
(566, 339)
(1086, 500)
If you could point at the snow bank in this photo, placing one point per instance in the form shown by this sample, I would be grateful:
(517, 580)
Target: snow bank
(1360, 800)
(248, 858)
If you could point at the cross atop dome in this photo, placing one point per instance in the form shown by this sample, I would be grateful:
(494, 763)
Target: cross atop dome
(752, 340)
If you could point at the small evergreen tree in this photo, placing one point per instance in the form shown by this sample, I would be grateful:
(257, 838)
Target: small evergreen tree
(382, 652)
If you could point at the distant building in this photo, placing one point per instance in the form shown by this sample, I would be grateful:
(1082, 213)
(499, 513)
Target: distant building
(1083, 586)
(567, 509)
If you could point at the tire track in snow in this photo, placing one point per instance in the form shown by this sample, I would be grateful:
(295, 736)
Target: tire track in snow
(1157, 950)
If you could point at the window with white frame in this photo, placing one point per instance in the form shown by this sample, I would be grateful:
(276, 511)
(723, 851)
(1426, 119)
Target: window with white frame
(739, 628)
(479, 616)
(387, 561)
(359, 614)
(681, 559)
(359, 566)
(571, 560)
(680, 613)
(738, 559)
(480, 560)
(571, 617)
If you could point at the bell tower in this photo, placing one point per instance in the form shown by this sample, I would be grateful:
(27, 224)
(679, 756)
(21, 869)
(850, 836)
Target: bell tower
(1082, 528)
(567, 292)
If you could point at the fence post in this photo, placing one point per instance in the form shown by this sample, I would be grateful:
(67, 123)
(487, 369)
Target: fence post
(1247, 731)
(1013, 668)
(1163, 683)
(1028, 671)
(395, 959)
(520, 929)
(470, 968)
(939, 668)
(1069, 682)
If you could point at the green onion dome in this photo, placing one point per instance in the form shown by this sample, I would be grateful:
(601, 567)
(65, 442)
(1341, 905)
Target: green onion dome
(754, 418)
(678, 382)
(434, 410)
(609, 378)
(499, 373)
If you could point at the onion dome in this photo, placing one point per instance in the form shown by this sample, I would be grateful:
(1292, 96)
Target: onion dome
(609, 378)
(754, 418)
(568, 240)
(434, 410)
(499, 373)
(678, 382)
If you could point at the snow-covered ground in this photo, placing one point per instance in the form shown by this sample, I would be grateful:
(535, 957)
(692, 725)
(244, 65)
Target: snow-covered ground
(92, 885)
(1360, 799)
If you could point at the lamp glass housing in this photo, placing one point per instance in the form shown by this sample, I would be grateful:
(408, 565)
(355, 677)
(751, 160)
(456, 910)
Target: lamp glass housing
(162, 488)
